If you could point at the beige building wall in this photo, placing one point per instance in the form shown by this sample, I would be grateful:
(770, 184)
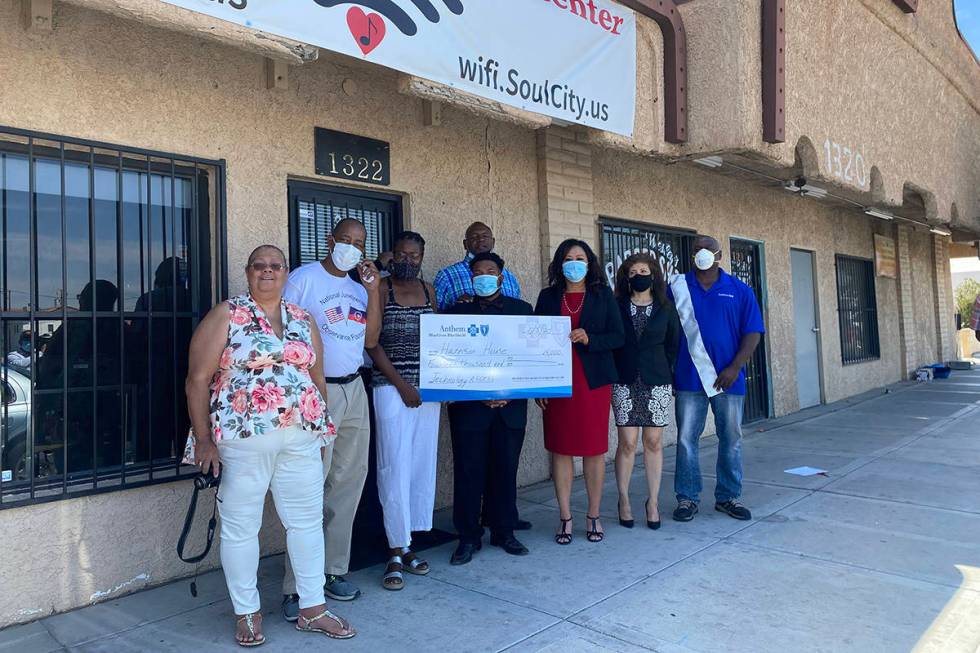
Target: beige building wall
(121, 82)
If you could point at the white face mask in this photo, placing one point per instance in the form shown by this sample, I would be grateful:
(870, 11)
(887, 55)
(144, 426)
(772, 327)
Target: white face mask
(345, 256)
(704, 259)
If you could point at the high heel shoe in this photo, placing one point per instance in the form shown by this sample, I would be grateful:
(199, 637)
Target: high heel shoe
(625, 523)
(652, 525)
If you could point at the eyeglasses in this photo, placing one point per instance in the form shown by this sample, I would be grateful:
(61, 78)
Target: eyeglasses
(259, 266)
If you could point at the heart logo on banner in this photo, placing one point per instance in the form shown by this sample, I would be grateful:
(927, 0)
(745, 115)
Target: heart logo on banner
(368, 30)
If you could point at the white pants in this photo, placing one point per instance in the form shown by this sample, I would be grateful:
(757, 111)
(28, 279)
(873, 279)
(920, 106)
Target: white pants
(408, 442)
(288, 461)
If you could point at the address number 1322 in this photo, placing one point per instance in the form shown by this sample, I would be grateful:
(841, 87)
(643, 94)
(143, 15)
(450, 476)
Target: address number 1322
(356, 168)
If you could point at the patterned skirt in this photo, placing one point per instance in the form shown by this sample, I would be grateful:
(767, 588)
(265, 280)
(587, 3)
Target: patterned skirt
(639, 404)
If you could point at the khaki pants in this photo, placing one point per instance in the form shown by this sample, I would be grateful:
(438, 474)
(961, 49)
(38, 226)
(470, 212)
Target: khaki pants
(345, 465)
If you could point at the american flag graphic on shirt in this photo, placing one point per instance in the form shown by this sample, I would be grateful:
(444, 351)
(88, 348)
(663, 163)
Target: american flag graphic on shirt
(335, 314)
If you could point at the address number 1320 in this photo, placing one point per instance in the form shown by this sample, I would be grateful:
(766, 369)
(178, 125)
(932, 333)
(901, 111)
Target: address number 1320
(359, 168)
(845, 163)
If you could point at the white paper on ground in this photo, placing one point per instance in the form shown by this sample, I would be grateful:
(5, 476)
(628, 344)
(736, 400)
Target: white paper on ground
(805, 471)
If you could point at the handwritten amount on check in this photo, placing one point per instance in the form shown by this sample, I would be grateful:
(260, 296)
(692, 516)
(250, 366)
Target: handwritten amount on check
(458, 357)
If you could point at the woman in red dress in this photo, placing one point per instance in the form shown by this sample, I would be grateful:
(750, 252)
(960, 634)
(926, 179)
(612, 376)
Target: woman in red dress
(579, 425)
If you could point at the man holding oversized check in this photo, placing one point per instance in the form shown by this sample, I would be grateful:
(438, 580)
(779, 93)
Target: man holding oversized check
(488, 357)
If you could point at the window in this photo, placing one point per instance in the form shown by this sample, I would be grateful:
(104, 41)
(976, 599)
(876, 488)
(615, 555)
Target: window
(857, 309)
(106, 265)
(672, 247)
(314, 210)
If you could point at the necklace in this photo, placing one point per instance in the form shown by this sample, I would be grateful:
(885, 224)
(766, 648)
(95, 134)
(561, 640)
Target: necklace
(564, 300)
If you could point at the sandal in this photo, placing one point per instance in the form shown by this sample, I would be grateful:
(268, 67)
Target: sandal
(310, 628)
(414, 564)
(594, 535)
(564, 537)
(393, 579)
(249, 619)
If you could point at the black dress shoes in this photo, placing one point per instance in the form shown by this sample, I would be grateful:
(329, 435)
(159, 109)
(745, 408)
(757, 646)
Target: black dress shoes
(464, 553)
(509, 544)
(522, 525)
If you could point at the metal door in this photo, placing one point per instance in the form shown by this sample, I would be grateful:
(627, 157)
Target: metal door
(806, 324)
(747, 266)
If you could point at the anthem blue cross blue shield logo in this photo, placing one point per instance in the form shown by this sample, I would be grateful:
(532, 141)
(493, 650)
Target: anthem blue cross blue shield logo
(478, 330)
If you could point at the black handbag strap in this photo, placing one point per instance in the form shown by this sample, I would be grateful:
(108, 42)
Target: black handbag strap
(189, 522)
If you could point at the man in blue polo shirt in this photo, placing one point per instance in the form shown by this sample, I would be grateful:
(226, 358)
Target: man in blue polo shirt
(727, 315)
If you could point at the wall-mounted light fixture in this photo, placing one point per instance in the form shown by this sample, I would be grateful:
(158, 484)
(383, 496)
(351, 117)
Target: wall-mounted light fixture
(941, 232)
(710, 161)
(876, 213)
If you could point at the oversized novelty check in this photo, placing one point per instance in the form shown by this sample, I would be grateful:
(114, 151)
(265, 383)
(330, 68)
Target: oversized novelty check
(480, 357)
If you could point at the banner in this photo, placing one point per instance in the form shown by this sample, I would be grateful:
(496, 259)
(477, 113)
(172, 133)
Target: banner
(574, 60)
(481, 357)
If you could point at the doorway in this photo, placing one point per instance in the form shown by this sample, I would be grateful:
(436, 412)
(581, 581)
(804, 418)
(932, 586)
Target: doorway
(314, 210)
(806, 322)
(747, 265)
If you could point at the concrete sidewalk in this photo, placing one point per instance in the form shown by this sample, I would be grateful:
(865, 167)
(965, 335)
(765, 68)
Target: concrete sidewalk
(881, 555)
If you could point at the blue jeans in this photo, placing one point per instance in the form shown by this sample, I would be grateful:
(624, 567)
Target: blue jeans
(691, 409)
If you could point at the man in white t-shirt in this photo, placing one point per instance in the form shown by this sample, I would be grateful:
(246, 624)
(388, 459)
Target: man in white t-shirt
(349, 316)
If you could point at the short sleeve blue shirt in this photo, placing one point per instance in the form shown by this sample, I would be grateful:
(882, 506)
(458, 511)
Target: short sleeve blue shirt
(726, 312)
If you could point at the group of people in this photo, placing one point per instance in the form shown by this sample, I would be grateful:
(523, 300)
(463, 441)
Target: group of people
(276, 401)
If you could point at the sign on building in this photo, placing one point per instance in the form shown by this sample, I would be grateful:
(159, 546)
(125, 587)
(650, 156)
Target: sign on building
(886, 262)
(574, 60)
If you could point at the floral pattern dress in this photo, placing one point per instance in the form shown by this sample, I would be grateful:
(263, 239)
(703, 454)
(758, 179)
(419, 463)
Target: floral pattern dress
(263, 381)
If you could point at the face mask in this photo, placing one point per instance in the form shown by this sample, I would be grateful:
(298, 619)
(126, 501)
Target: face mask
(641, 282)
(345, 256)
(704, 259)
(575, 271)
(404, 269)
(485, 285)
(25, 346)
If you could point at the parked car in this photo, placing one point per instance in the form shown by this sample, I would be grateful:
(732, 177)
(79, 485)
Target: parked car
(15, 392)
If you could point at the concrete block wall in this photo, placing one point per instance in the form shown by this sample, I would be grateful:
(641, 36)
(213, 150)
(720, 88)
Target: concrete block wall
(565, 189)
(906, 316)
(943, 282)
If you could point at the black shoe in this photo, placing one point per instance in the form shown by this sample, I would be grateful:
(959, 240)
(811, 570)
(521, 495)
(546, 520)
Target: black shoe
(625, 523)
(734, 509)
(685, 510)
(653, 525)
(464, 553)
(290, 607)
(522, 525)
(509, 544)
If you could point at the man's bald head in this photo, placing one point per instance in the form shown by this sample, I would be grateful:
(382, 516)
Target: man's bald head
(707, 242)
(479, 239)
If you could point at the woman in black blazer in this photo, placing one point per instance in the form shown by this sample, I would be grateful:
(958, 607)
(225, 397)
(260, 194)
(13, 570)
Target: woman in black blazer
(645, 365)
(579, 425)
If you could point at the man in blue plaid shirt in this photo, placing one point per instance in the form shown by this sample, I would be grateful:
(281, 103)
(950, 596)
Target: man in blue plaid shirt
(455, 282)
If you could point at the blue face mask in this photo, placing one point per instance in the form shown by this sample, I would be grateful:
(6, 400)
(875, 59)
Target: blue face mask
(485, 285)
(575, 271)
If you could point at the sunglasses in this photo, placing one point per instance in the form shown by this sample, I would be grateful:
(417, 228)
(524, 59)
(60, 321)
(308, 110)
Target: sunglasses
(259, 266)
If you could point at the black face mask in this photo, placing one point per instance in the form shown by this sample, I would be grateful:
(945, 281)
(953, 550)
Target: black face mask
(404, 269)
(641, 282)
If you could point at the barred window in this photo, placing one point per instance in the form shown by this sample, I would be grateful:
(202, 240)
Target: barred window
(316, 208)
(620, 239)
(857, 309)
(107, 264)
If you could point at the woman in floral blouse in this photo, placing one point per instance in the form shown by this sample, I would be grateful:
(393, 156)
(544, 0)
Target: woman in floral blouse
(257, 402)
